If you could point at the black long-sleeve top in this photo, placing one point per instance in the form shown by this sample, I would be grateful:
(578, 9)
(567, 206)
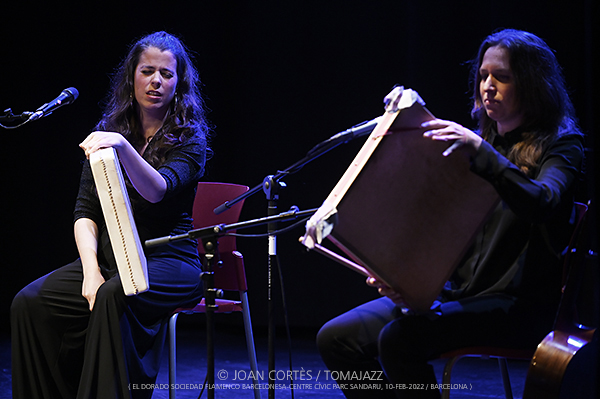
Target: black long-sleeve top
(519, 250)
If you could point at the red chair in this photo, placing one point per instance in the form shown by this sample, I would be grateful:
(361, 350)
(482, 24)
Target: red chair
(229, 272)
(502, 354)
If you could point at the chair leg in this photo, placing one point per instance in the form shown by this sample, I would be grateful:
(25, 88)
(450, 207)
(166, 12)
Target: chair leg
(172, 355)
(447, 376)
(503, 364)
(250, 342)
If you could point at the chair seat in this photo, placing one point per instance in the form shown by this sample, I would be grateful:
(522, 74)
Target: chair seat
(490, 351)
(223, 306)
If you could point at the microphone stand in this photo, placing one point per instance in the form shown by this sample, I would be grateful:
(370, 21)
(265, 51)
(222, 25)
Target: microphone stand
(8, 116)
(209, 236)
(271, 186)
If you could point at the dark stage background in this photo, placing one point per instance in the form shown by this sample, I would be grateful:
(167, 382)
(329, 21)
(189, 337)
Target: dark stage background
(279, 77)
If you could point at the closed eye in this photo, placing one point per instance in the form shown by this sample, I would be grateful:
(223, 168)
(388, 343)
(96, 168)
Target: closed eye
(501, 75)
(504, 78)
(165, 73)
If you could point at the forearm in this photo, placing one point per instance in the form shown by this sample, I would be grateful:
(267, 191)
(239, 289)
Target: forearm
(86, 238)
(535, 198)
(146, 180)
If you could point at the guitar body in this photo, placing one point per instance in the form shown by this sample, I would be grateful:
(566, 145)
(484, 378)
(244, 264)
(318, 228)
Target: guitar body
(550, 361)
(546, 375)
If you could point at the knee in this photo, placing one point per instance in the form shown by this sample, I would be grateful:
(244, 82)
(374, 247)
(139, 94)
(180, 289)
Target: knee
(19, 304)
(326, 338)
(25, 301)
(336, 342)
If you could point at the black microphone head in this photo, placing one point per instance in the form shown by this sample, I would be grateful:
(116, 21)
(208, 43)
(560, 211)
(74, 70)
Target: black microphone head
(72, 94)
(67, 96)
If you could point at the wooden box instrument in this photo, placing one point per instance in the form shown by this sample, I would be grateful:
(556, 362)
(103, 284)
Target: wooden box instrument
(403, 212)
(124, 239)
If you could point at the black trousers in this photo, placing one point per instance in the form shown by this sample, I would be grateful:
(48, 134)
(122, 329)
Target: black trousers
(376, 343)
(62, 350)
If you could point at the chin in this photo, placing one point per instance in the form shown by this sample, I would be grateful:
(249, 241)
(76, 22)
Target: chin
(493, 115)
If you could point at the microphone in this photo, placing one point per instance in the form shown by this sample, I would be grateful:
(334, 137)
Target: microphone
(67, 96)
(356, 131)
(362, 129)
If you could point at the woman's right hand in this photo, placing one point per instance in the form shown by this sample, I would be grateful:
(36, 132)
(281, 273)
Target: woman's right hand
(385, 290)
(91, 284)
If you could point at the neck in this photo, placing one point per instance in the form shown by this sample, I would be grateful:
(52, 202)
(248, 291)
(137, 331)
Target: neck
(150, 123)
(506, 127)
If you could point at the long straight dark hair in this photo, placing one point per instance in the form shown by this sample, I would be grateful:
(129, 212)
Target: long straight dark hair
(542, 95)
(187, 111)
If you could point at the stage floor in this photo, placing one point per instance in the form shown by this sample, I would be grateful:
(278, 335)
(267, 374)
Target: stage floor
(473, 378)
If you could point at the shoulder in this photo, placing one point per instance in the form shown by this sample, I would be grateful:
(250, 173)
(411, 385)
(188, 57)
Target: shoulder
(568, 147)
(569, 132)
(572, 139)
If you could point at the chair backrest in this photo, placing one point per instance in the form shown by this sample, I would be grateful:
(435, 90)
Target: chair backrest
(573, 270)
(580, 211)
(230, 274)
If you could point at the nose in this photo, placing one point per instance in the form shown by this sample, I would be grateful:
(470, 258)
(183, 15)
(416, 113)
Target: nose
(156, 80)
(488, 83)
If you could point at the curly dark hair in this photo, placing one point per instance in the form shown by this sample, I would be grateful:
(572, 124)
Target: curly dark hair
(541, 91)
(186, 116)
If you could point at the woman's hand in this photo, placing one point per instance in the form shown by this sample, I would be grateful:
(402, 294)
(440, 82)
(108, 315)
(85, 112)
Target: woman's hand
(99, 140)
(384, 290)
(91, 282)
(146, 180)
(86, 238)
(442, 130)
(392, 100)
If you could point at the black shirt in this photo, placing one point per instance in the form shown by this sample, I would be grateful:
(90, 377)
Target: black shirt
(519, 250)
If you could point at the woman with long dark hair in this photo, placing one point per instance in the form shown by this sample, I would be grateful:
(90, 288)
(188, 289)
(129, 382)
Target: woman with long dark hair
(74, 332)
(506, 289)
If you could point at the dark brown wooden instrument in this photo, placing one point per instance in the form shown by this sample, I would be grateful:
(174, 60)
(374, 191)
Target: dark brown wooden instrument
(404, 213)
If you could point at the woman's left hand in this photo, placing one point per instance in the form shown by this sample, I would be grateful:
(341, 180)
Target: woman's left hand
(442, 130)
(99, 140)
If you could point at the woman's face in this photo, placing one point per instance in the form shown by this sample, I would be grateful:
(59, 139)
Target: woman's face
(155, 81)
(497, 89)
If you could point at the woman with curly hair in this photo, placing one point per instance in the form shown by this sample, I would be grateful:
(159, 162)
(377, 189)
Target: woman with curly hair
(506, 289)
(74, 332)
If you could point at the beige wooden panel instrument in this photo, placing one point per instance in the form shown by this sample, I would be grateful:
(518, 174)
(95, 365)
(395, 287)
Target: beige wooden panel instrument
(124, 239)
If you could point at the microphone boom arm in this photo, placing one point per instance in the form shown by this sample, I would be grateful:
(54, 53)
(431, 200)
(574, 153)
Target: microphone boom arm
(359, 130)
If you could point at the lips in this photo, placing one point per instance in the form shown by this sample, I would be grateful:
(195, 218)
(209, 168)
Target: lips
(154, 93)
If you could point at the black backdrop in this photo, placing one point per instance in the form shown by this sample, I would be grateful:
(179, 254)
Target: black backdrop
(279, 77)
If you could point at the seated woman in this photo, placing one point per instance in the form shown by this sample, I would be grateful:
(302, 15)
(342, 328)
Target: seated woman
(74, 332)
(506, 290)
